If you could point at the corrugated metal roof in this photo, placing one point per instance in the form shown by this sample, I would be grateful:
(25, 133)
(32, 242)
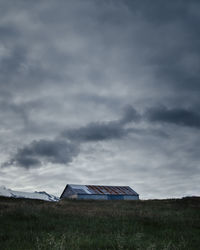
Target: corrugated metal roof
(95, 189)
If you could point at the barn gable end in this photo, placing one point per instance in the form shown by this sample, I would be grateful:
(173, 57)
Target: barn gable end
(68, 192)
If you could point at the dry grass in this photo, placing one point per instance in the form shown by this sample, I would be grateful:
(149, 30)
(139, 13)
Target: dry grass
(153, 224)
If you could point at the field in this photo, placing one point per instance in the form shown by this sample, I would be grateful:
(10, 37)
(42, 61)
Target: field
(152, 224)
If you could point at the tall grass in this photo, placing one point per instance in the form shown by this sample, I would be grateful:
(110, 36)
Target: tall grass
(157, 224)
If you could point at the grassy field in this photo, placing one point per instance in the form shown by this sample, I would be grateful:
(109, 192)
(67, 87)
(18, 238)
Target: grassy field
(153, 224)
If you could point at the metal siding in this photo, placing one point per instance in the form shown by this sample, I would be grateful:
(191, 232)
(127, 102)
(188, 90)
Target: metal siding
(92, 197)
(115, 197)
(106, 197)
(131, 197)
(74, 196)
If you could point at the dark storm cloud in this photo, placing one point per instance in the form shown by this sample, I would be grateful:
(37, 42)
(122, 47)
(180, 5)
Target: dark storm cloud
(130, 115)
(96, 132)
(63, 152)
(99, 131)
(178, 116)
(43, 151)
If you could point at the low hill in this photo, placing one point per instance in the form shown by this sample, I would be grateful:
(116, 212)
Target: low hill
(68, 224)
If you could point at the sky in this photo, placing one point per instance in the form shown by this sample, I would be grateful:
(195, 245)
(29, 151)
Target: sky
(100, 92)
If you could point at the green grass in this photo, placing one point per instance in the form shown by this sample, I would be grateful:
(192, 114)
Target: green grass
(153, 224)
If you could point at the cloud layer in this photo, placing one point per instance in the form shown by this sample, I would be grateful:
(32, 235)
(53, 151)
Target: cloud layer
(44, 151)
(63, 150)
(178, 116)
(68, 69)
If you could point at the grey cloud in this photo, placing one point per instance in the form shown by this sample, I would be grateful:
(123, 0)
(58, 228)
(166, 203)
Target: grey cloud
(63, 152)
(130, 115)
(99, 131)
(10, 65)
(96, 132)
(176, 57)
(21, 113)
(178, 116)
(168, 33)
(15, 109)
(38, 152)
(8, 32)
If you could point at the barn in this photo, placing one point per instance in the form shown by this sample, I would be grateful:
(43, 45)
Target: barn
(95, 192)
